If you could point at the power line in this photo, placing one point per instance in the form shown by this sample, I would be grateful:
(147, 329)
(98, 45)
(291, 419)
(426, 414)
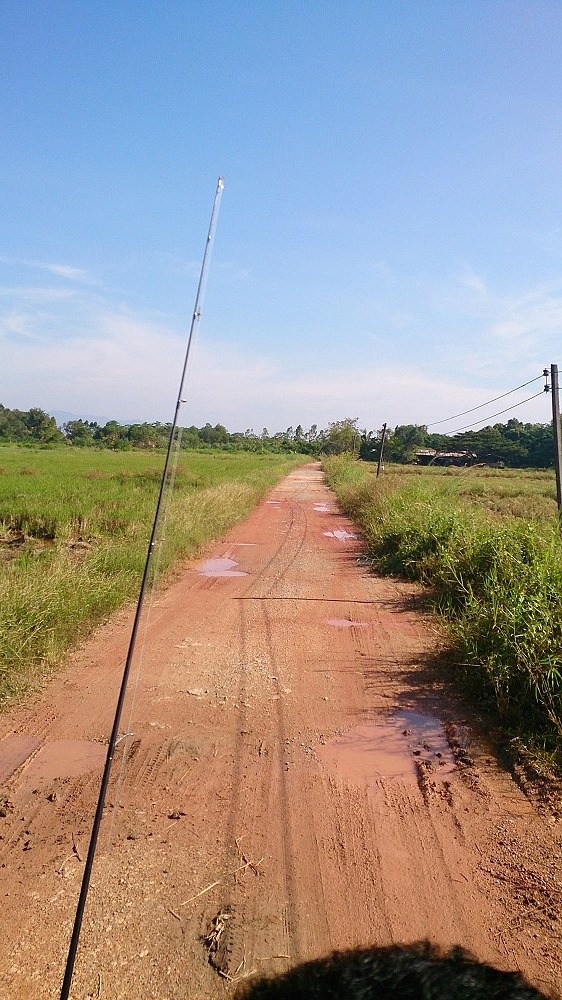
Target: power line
(490, 417)
(480, 405)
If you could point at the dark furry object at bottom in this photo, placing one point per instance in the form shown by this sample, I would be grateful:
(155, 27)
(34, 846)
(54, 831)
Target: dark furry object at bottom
(398, 972)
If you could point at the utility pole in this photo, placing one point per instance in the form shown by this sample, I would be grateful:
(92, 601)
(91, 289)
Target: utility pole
(556, 434)
(383, 436)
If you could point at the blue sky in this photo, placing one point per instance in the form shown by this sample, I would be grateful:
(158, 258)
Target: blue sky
(389, 244)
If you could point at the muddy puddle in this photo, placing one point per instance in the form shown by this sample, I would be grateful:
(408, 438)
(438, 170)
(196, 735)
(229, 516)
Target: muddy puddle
(61, 759)
(342, 536)
(65, 759)
(220, 566)
(323, 508)
(14, 751)
(394, 747)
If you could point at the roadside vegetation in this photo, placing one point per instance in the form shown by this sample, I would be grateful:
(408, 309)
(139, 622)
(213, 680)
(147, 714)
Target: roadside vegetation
(74, 530)
(487, 544)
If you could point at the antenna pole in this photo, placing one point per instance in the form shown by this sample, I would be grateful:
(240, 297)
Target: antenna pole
(113, 740)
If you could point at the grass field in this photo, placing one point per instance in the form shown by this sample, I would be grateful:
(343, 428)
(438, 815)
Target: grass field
(74, 530)
(488, 545)
(525, 493)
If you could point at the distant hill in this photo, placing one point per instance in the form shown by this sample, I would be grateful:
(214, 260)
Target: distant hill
(63, 416)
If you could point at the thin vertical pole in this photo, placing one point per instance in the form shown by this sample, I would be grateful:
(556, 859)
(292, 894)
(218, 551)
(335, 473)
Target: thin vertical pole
(556, 434)
(113, 740)
(381, 451)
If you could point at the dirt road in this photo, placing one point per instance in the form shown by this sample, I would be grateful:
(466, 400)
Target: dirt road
(292, 770)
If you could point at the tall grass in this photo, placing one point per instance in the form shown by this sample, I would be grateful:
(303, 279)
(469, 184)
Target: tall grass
(74, 529)
(496, 580)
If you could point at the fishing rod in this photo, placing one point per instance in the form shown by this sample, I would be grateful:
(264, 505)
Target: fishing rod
(114, 738)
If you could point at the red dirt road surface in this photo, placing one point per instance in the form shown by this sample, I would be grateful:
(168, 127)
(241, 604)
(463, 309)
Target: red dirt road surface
(294, 779)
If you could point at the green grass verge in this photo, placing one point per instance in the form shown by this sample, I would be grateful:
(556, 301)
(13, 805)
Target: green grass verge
(74, 530)
(496, 578)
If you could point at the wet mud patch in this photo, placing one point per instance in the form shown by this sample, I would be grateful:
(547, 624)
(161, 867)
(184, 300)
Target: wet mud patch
(14, 751)
(341, 536)
(219, 567)
(323, 508)
(409, 746)
(65, 759)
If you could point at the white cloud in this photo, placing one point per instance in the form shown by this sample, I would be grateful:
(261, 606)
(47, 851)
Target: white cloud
(247, 392)
(65, 271)
(88, 355)
(130, 368)
(68, 271)
(473, 282)
(486, 335)
(27, 293)
(19, 323)
(531, 315)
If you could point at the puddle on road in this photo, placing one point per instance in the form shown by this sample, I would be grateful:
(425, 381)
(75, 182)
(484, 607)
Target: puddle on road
(340, 535)
(391, 748)
(65, 759)
(346, 623)
(221, 566)
(60, 759)
(14, 751)
(322, 508)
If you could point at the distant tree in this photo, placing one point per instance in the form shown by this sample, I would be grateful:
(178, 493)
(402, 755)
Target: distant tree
(42, 427)
(142, 435)
(78, 432)
(540, 449)
(370, 445)
(12, 427)
(112, 435)
(29, 426)
(221, 434)
(342, 435)
(404, 441)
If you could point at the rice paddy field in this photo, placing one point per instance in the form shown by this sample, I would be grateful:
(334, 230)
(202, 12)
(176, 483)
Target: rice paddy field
(487, 544)
(74, 531)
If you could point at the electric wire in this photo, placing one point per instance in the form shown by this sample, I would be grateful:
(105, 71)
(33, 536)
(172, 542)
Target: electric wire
(489, 402)
(492, 415)
(114, 738)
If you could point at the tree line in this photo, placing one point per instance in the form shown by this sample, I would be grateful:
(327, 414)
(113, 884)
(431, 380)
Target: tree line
(513, 444)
